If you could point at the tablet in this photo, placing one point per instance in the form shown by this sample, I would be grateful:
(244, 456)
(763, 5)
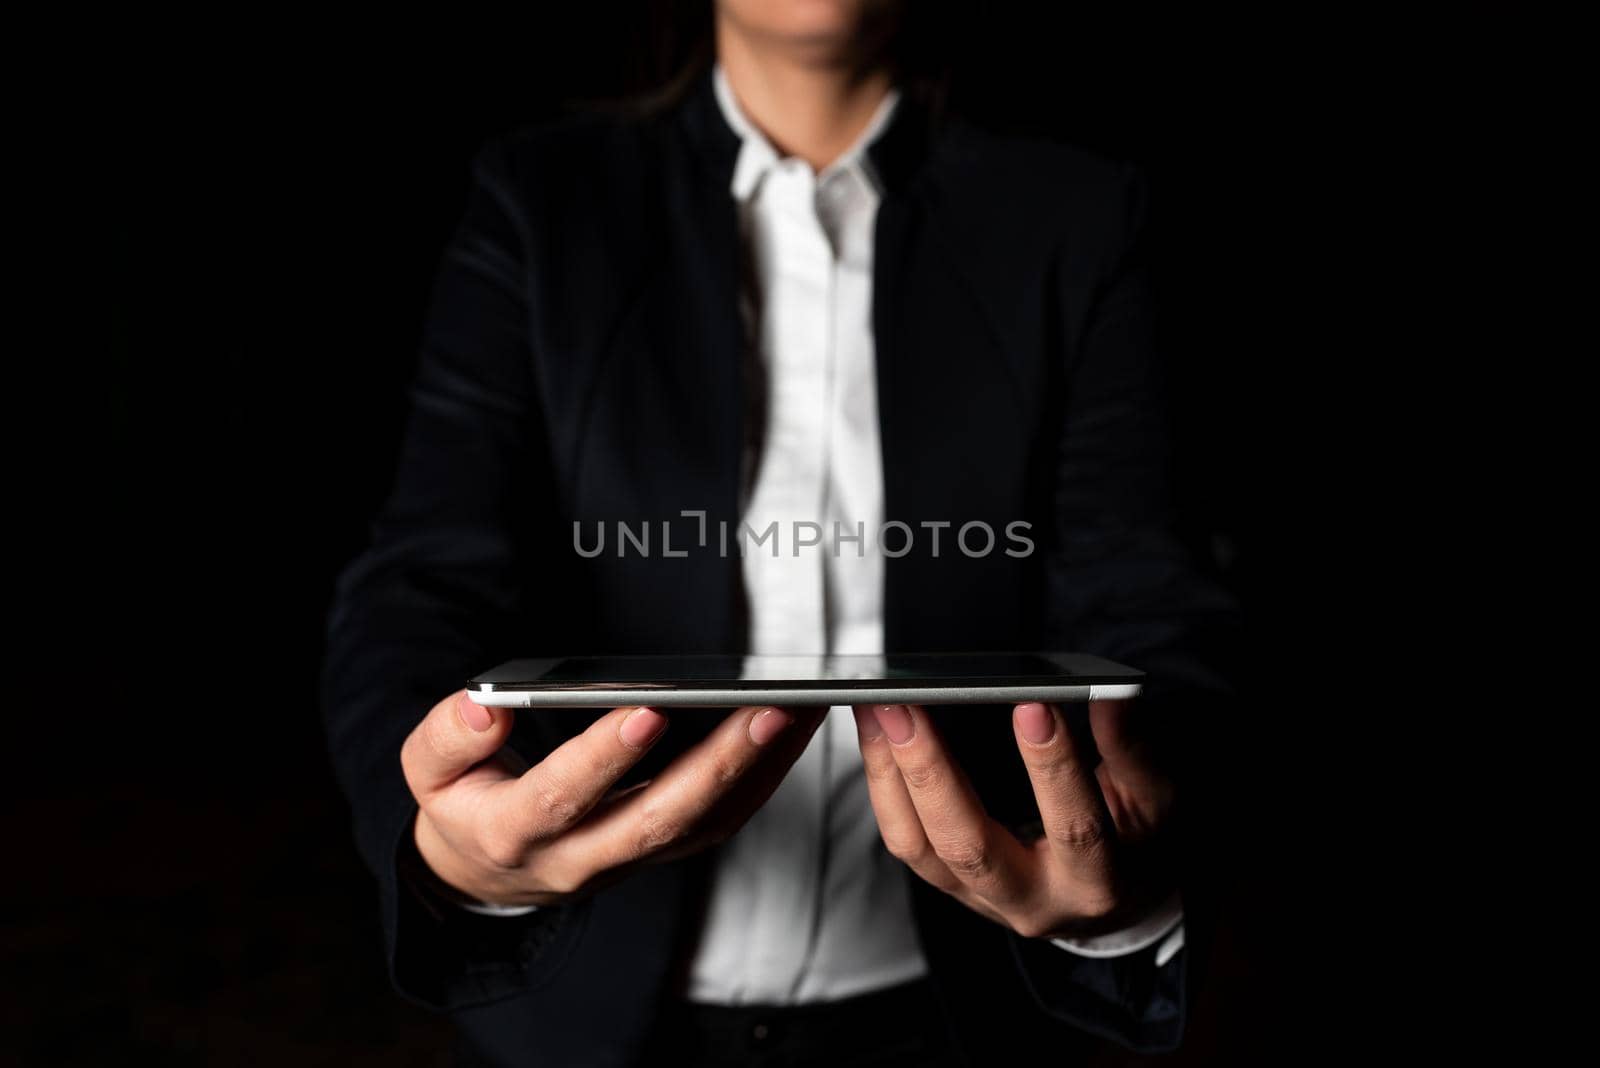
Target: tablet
(731, 681)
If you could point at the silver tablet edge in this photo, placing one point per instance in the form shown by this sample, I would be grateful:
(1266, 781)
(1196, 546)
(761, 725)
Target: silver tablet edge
(923, 695)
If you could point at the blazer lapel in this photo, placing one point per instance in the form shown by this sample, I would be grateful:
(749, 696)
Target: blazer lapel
(953, 448)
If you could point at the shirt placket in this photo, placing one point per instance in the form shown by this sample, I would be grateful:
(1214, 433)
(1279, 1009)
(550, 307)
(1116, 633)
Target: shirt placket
(789, 614)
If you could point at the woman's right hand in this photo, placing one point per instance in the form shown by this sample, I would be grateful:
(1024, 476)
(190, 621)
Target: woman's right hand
(557, 831)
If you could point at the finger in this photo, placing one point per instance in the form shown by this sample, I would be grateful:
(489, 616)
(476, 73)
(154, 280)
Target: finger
(1138, 790)
(453, 739)
(566, 785)
(672, 811)
(898, 822)
(750, 792)
(736, 807)
(975, 848)
(1068, 794)
(722, 810)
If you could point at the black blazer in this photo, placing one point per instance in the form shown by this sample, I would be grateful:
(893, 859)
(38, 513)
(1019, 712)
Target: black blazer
(582, 361)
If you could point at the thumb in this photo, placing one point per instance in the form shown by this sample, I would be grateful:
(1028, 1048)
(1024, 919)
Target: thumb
(455, 736)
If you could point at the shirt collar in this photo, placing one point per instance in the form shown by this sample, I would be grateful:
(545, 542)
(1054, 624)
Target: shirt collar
(757, 155)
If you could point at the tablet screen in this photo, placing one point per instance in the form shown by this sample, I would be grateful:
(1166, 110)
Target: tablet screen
(800, 672)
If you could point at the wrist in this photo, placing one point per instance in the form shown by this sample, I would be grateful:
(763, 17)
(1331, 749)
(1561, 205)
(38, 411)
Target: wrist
(432, 866)
(432, 876)
(1154, 925)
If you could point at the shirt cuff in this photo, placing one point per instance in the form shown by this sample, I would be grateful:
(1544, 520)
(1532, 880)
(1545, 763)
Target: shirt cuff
(485, 909)
(1164, 925)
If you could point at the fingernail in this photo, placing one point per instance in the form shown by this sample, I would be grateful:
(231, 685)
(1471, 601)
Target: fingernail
(1036, 723)
(867, 724)
(768, 724)
(641, 727)
(896, 722)
(477, 718)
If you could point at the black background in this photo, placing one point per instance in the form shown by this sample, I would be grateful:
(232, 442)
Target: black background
(276, 205)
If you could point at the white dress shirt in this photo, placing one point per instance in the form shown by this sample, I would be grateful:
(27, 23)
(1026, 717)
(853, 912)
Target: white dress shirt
(805, 903)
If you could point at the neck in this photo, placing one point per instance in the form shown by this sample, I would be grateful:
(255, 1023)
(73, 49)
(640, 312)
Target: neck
(808, 108)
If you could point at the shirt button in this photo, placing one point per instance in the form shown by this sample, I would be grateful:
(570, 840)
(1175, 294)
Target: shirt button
(760, 1032)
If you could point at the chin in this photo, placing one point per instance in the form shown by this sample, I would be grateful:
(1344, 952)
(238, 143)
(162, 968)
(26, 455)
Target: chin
(807, 22)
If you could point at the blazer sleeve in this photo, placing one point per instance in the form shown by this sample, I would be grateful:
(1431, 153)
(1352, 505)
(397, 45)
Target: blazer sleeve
(1121, 584)
(442, 590)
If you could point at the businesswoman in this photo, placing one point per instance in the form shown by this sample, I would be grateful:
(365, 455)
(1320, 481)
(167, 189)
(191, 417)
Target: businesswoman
(792, 296)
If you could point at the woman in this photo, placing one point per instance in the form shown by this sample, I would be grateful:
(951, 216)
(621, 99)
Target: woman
(790, 298)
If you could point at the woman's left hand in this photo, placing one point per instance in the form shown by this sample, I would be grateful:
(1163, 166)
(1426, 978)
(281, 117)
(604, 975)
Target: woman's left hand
(1097, 866)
